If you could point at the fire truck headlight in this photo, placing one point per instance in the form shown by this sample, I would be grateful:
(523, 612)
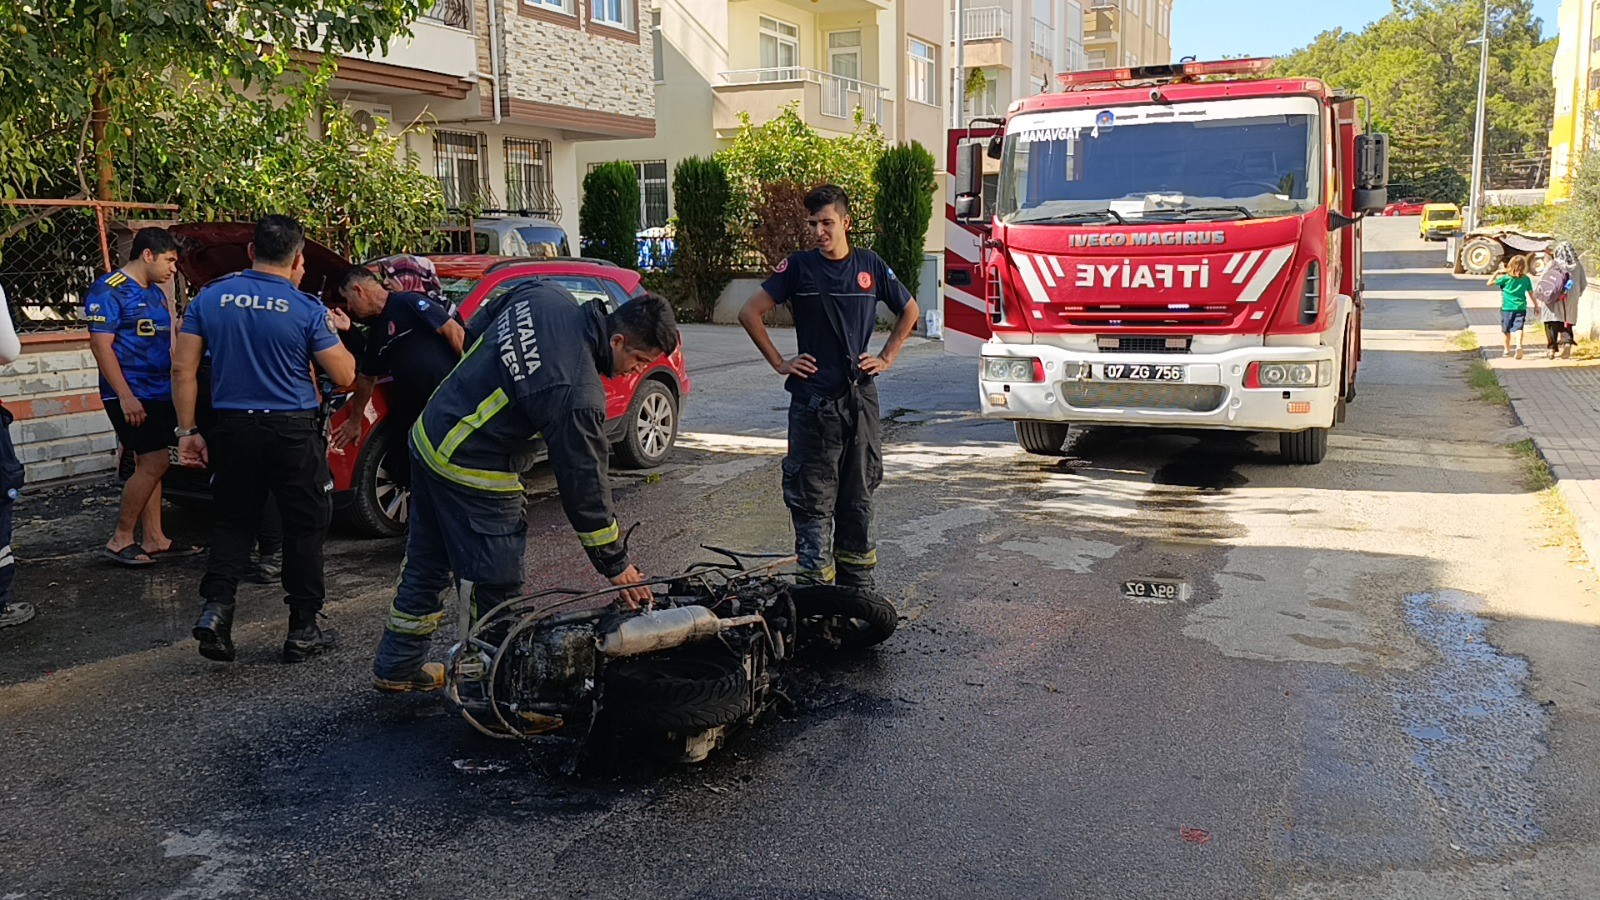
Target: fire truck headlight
(1006, 369)
(1294, 375)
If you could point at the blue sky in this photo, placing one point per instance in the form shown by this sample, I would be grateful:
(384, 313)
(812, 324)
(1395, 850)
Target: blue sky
(1211, 29)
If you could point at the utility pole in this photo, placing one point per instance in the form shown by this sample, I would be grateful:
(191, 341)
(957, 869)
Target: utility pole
(1479, 129)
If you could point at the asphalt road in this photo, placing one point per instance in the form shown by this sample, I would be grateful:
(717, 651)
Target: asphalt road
(1385, 682)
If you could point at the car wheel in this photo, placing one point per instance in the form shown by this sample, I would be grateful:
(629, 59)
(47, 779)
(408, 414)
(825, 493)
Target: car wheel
(381, 500)
(652, 427)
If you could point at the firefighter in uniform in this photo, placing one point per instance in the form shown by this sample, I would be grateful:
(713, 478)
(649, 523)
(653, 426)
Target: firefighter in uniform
(263, 335)
(835, 458)
(534, 369)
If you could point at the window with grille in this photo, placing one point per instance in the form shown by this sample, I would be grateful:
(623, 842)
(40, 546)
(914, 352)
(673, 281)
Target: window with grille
(530, 186)
(458, 157)
(921, 82)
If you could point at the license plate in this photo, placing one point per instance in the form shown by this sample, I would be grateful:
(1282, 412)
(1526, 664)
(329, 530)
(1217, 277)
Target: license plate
(1156, 590)
(1140, 372)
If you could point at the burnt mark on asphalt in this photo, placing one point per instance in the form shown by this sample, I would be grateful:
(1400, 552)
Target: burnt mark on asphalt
(1212, 464)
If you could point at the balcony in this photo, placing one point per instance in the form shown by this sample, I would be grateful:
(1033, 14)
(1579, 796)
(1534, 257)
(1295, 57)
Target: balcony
(826, 102)
(1041, 42)
(1100, 25)
(986, 39)
(450, 13)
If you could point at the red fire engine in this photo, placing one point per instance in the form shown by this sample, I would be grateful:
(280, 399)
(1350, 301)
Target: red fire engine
(1169, 246)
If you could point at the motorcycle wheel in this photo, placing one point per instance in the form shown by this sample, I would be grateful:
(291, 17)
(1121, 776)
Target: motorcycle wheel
(853, 618)
(678, 692)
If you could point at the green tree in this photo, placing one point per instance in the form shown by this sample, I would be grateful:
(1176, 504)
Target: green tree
(1420, 73)
(703, 258)
(787, 149)
(608, 220)
(74, 72)
(906, 184)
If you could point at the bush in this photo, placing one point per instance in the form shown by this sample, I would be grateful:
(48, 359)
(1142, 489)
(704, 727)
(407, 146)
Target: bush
(1527, 218)
(608, 220)
(905, 207)
(785, 148)
(1579, 218)
(780, 216)
(705, 247)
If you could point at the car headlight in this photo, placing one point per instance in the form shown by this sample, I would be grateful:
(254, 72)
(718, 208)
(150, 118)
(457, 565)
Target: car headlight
(1290, 375)
(1012, 369)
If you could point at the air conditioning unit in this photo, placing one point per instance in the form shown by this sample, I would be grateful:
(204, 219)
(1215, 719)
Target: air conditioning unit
(366, 115)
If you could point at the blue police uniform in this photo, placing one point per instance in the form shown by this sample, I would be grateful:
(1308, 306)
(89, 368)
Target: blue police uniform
(261, 332)
(534, 371)
(835, 458)
(140, 324)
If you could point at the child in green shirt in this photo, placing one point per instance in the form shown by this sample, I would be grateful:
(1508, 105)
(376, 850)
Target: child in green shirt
(1515, 286)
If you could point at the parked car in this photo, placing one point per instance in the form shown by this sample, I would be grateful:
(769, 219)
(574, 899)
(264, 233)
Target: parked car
(1411, 206)
(642, 411)
(519, 236)
(1439, 221)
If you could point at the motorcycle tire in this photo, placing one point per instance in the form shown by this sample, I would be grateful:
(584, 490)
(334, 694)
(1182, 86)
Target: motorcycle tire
(677, 692)
(855, 618)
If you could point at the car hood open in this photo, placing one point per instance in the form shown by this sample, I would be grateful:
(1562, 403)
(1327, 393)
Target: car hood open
(210, 250)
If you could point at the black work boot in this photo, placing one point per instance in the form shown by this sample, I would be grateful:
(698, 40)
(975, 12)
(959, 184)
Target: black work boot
(214, 631)
(306, 639)
(859, 578)
(266, 569)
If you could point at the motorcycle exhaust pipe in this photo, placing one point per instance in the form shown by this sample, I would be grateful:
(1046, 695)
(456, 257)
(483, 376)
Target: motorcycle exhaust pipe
(664, 629)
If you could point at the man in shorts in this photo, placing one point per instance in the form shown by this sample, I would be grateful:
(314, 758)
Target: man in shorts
(130, 334)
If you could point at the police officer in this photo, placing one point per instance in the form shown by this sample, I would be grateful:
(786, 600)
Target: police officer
(835, 458)
(411, 337)
(534, 371)
(263, 335)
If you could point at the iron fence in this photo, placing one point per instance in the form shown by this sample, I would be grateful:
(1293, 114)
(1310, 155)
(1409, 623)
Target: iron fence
(455, 13)
(51, 251)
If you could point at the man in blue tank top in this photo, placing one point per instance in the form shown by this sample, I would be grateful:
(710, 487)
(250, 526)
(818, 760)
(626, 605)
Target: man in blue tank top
(263, 334)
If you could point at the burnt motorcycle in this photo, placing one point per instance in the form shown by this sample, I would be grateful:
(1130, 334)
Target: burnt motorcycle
(681, 673)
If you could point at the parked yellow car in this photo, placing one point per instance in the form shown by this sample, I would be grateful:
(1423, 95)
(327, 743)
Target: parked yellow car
(1440, 220)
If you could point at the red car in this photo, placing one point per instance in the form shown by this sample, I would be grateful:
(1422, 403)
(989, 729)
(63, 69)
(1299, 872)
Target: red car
(642, 411)
(1411, 206)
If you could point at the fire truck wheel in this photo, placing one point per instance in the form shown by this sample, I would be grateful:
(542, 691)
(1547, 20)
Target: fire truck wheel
(849, 618)
(1042, 438)
(1303, 448)
(683, 691)
(1481, 256)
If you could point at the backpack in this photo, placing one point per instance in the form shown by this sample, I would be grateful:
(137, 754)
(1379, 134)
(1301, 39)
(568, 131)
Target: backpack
(1552, 284)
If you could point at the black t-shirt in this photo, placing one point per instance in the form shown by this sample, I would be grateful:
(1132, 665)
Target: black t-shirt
(404, 341)
(853, 286)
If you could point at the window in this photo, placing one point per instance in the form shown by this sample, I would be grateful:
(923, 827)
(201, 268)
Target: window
(780, 50)
(989, 101)
(1133, 7)
(560, 6)
(454, 13)
(652, 191)
(1150, 11)
(615, 13)
(1164, 20)
(1037, 84)
(921, 82)
(458, 161)
(658, 46)
(529, 184)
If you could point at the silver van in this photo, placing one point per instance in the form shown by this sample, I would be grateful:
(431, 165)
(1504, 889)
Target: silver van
(519, 236)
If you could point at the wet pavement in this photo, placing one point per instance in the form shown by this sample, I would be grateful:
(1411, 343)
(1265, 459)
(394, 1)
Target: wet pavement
(1383, 680)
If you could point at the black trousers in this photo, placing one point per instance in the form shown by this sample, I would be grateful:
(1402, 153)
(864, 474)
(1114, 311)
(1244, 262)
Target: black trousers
(1556, 334)
(834, 464)
(284, 455)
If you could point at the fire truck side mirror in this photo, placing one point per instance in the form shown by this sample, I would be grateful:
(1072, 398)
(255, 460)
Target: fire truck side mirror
(997, 146)
(969, 181)
(1372, 161)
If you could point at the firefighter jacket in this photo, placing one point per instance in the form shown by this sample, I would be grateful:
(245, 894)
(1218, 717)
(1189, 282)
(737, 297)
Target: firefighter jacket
(534, 371)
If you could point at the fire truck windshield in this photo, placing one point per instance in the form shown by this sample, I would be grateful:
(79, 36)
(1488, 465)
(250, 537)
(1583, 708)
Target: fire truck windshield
(1191, 162)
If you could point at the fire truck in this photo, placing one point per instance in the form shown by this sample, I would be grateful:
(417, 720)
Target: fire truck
(1172, 246)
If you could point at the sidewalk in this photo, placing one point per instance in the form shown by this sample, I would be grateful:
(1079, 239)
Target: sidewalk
(1557, 401)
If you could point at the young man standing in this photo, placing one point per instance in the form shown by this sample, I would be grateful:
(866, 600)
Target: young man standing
(130, 334)
(835, 458)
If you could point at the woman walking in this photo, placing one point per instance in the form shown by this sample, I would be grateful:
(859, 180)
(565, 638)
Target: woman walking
(1515, 286)
(1557, 295)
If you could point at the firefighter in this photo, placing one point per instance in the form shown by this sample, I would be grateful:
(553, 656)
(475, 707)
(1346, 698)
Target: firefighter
(263, 334)
(835, 458)
(534, 369)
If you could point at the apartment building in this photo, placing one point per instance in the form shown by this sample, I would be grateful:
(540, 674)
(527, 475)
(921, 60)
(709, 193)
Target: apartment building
(1013, 49)
(1119, 33)
(1577, 83)
(716, 60)
(511, 90)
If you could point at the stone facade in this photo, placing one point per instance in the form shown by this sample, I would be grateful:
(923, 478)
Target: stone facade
(61, 428)
(579, 65)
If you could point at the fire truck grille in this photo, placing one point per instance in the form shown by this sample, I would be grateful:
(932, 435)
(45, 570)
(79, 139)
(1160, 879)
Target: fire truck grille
(1135, 395)
(1141, 345)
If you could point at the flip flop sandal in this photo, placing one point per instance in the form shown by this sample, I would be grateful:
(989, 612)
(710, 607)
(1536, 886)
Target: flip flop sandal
(175, 550)
(128, 556)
